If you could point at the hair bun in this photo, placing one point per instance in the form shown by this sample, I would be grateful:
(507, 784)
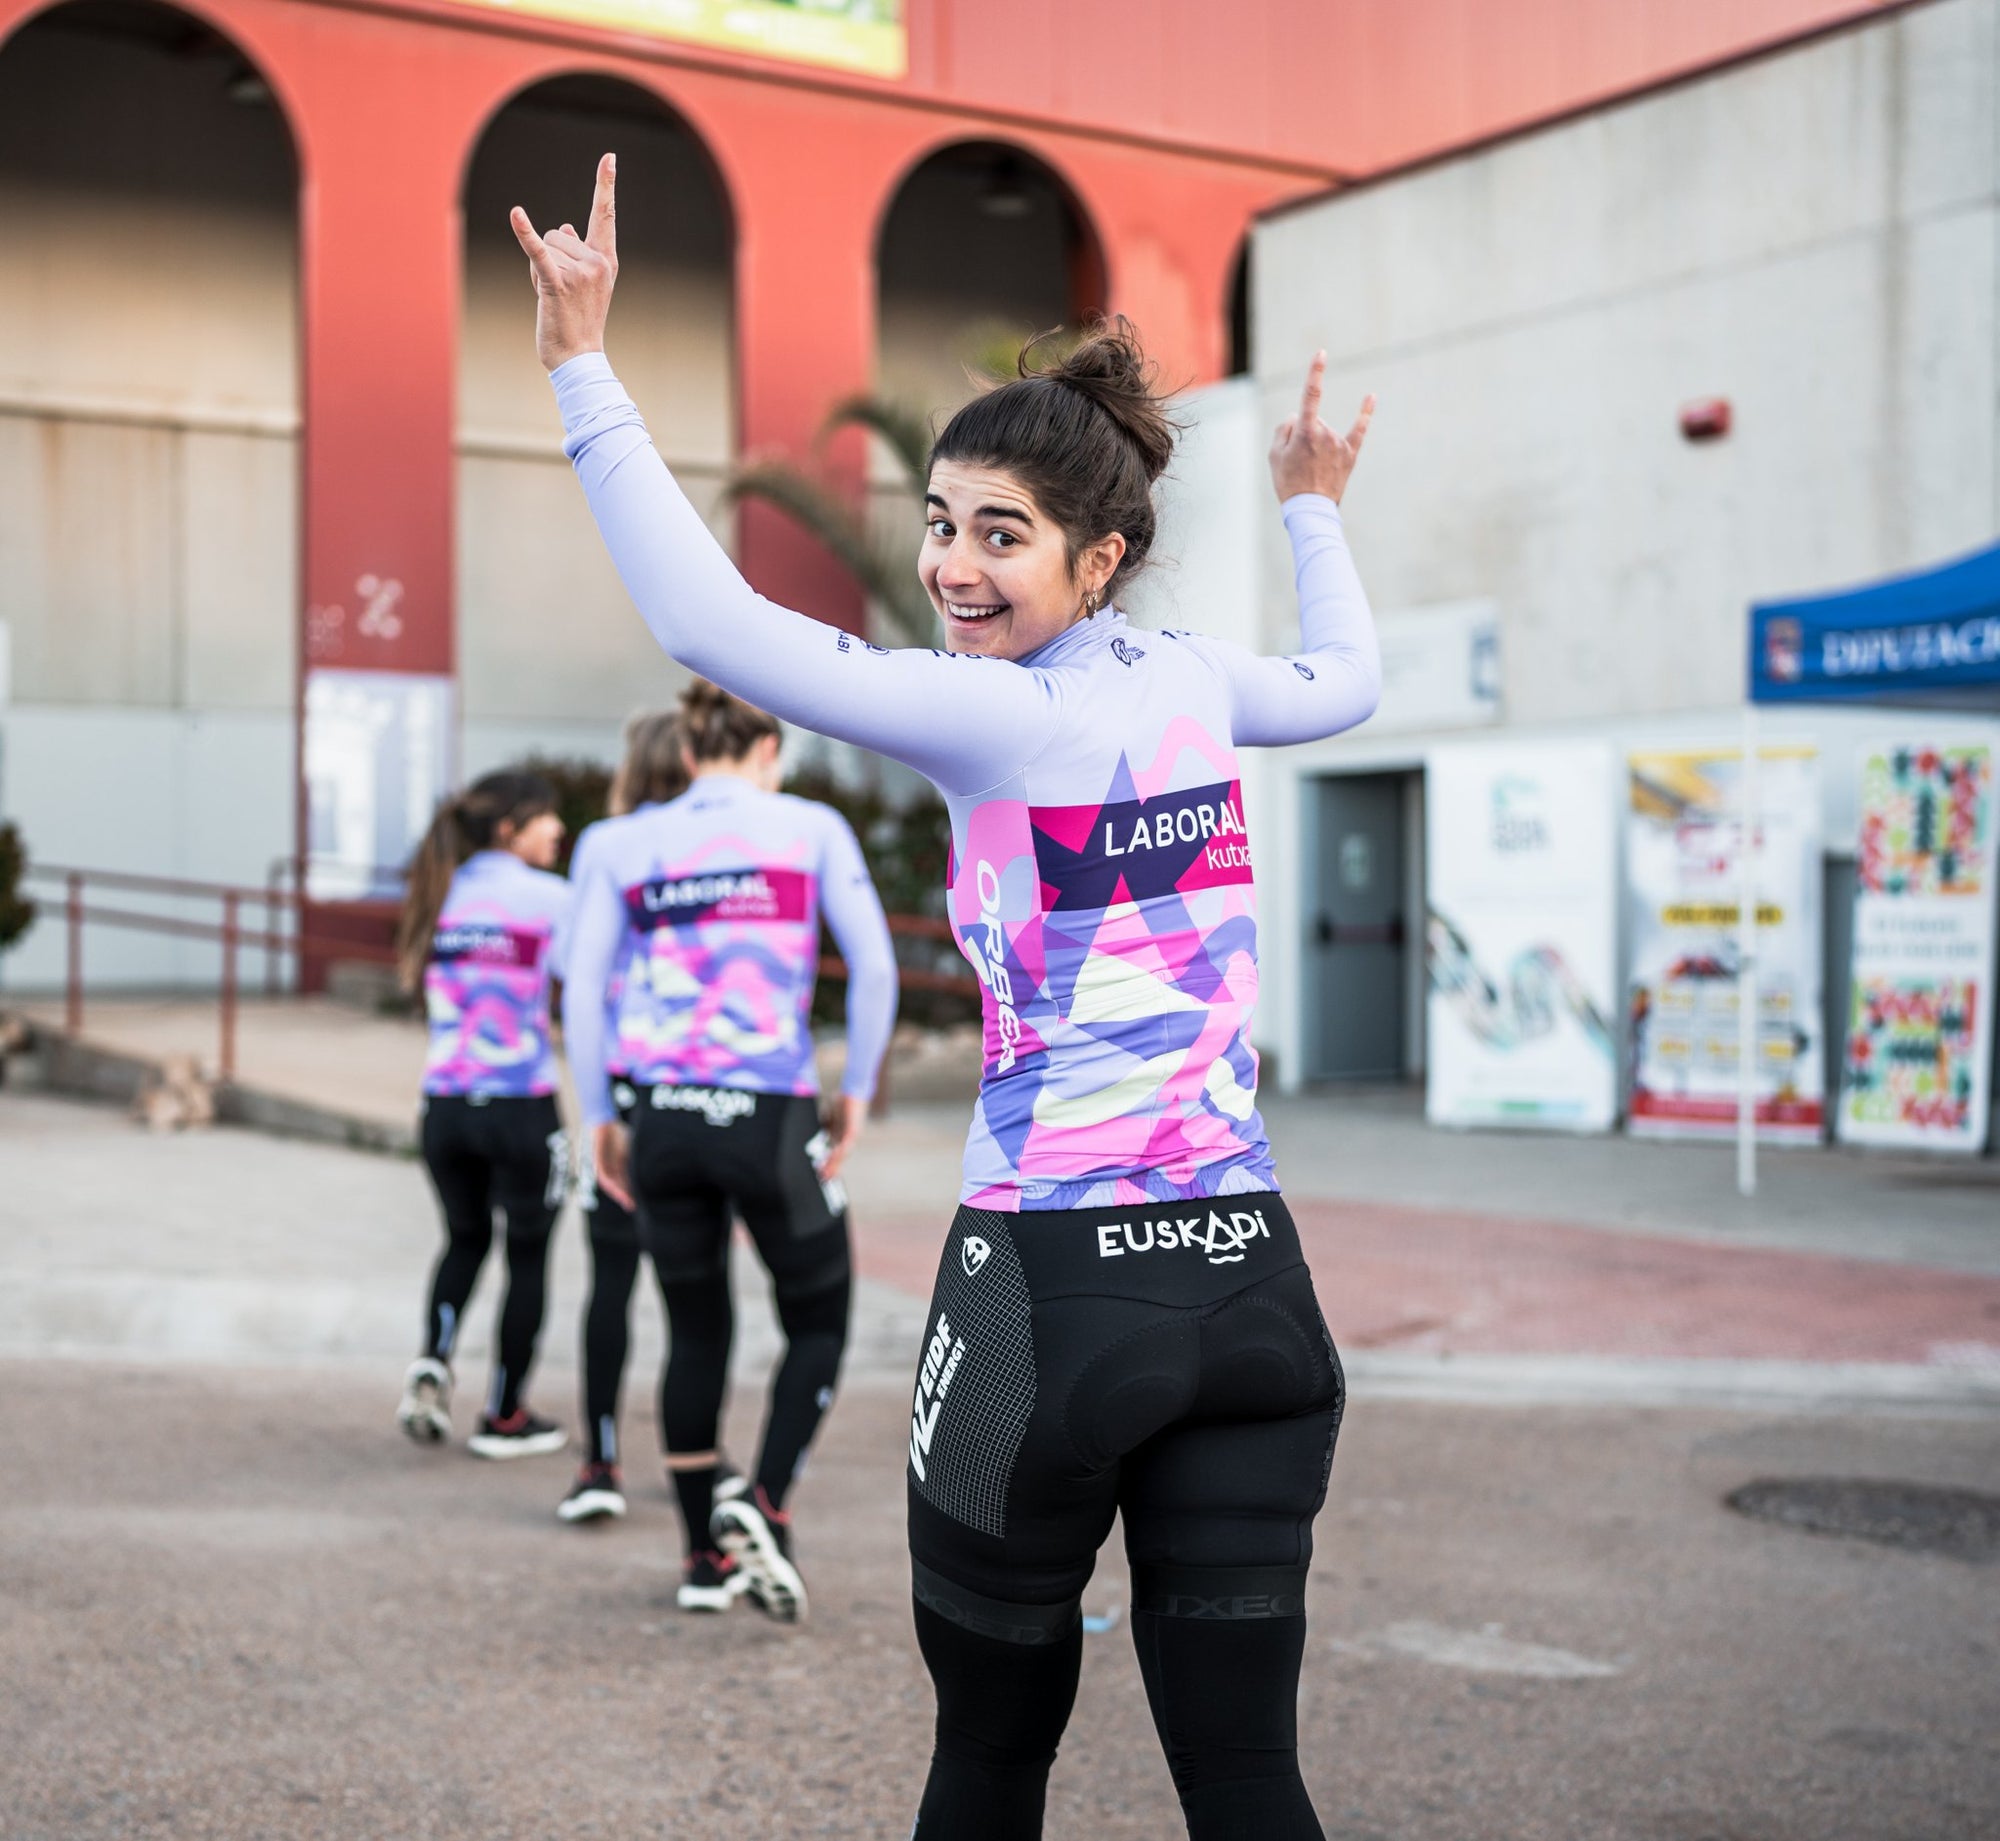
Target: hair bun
(1108, 366)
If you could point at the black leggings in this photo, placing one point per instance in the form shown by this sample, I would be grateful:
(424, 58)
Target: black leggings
(607, 1329)
(699, 1156)
(483, 1155)
(1166, 1362)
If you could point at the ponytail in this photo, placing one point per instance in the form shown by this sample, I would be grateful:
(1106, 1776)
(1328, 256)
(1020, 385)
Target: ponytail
(463, 823)
(718, 727)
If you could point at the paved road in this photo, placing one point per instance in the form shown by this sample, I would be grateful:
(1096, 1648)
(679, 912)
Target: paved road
(234, 1604)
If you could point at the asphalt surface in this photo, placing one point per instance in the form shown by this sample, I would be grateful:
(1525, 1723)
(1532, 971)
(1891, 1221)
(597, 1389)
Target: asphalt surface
(234, 1603)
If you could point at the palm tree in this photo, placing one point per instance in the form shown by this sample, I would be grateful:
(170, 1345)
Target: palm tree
(842, 525)
(991, 350)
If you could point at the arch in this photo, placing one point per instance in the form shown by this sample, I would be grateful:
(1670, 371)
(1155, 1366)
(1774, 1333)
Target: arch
(524, 548)
(1236, 312)
(645, 101)
(152, 166)
(1032, 258)
(226, 33)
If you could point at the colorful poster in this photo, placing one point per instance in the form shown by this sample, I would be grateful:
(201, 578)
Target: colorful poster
(865, 36)
(1683, 905)
(1521, 939)
(1920, 1025)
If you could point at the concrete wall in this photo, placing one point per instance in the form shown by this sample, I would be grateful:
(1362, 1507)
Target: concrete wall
(1812, 236)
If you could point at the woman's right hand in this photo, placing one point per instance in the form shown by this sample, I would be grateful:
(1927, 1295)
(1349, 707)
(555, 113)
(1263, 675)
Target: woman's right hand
(574, 275)
(610, 1154)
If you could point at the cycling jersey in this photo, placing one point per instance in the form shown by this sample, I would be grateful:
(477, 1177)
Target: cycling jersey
(713, 903)
(486, 984)
(1101, 886)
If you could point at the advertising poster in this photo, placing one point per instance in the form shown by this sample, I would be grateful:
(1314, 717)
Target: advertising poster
(1683, 883)
(858, 35)
(1521, 939)
(1920, 1026)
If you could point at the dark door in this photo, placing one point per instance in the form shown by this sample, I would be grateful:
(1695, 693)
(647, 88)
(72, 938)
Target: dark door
(1357, 928)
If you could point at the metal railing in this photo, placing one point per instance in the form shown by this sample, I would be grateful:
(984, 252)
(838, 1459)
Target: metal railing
(273, 938)
(288, 930)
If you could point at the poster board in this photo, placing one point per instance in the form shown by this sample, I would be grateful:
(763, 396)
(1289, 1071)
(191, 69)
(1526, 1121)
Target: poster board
(863, 36)
(1521, 937)
(378, 747)
(1920, 1019)
(1683, 888)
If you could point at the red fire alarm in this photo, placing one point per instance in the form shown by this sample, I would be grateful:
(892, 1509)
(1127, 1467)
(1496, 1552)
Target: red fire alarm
(1706, 419)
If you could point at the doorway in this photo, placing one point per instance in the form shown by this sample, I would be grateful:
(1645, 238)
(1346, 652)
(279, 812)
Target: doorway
(1364, 1022)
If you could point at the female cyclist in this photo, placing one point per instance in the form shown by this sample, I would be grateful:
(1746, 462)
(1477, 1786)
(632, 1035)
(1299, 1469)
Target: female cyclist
(650, 773)
(712, 903)
(475, 932)
(1123, 1319)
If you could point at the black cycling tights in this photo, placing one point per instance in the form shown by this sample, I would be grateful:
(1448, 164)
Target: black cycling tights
(1165, 1363)
(700, 1155)
(508, 1154)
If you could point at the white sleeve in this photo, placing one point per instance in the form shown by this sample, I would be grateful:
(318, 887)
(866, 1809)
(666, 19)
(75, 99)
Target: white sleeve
(965, 723)
(1334, 680)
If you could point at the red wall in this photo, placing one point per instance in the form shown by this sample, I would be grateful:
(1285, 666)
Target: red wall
(1350, 85)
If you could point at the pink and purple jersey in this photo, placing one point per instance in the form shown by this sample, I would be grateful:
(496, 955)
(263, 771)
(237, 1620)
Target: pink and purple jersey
(711, 906)
(486, 986)
(1101, 883)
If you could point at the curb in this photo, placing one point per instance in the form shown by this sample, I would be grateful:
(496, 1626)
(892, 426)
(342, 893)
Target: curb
(1638, 1381)
(86, 1070)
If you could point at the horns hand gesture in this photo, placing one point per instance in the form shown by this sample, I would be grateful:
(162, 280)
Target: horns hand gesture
(1306, 455)
(574, 275)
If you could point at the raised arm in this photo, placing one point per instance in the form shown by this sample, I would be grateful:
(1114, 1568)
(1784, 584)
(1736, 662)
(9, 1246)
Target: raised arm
(854, 916)
(964, 723)
(1335, 679)
(590, 954)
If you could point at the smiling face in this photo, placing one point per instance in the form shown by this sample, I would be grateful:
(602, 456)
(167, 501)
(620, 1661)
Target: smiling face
(997, 567)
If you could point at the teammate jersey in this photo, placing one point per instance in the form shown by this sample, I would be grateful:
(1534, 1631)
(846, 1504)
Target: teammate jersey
(589, 841)
(486, 985)
(712, 905)
(1101, 884)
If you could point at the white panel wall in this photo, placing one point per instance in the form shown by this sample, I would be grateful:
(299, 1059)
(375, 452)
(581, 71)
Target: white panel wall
(200, 795)
(1812, 236)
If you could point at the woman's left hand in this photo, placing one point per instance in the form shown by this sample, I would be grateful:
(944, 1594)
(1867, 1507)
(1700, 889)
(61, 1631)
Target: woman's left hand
(1306, 455)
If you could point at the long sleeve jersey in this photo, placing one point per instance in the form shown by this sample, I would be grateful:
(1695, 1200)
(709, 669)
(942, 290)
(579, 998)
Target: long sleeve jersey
(1101, 884)
(486, 985)
(582, 860)
(710, 906)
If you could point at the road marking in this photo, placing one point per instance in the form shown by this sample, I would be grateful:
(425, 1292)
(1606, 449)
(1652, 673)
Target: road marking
(1481, 1652)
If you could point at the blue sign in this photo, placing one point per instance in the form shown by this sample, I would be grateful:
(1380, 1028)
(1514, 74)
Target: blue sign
(1927, 638)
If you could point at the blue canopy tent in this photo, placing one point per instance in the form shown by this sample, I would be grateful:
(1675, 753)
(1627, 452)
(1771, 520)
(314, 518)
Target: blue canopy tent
(1929, 640)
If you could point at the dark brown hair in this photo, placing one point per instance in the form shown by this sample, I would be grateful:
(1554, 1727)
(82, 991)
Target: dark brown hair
(468, 821)
(1087, 434)
(652, 771)
(718, 727)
